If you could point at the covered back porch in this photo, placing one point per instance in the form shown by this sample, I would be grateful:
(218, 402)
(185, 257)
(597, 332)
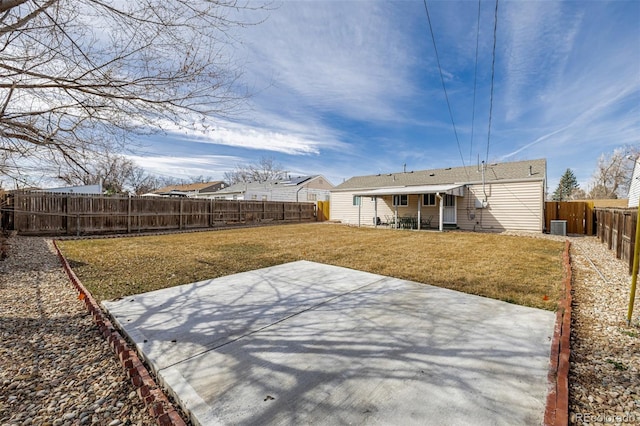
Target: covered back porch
(414, 207)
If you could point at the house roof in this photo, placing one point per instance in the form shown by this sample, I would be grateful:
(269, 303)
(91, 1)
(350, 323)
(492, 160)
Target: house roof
(242, 187)
(187, 188)
(519, 170)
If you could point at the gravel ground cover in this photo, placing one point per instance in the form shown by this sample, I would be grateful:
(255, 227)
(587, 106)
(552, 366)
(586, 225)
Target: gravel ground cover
(56, 369)
(604, 384)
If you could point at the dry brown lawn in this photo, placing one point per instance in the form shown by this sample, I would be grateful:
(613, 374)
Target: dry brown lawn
(521, 270)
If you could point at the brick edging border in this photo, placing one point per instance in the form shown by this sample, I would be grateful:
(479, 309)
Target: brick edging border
(156, 402)
(557, 407)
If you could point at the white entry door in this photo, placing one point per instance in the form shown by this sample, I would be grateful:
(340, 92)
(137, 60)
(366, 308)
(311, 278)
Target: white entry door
(449, 213)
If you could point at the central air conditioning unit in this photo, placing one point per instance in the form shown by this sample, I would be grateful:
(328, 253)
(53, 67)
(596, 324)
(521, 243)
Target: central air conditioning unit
(558, 227)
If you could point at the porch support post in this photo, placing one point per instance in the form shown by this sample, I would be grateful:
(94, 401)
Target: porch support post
(419, 208)
(441, 212)
(359, 209)
(375, 214)
(396, 221)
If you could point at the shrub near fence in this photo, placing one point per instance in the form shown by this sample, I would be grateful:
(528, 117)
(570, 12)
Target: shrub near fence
(617, 229)
(71, 214)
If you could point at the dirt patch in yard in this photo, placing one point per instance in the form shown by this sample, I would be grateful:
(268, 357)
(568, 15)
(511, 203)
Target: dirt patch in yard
(516, 269)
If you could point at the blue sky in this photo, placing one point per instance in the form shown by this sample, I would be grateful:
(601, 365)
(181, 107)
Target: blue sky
(346, 88)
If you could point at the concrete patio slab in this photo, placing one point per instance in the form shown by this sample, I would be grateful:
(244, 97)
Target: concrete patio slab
(307, 343)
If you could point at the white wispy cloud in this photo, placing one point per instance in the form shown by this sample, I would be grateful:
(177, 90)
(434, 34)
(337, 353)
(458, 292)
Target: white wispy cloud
(572, 83)
(537, 39)
(347, 58)
(186, 166)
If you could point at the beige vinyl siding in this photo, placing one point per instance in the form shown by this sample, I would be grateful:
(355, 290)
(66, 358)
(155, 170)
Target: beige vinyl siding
(319, 182)
(342, 209)
(512, 206)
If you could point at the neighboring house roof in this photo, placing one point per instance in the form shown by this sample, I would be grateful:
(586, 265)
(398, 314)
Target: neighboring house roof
(200, 187)
(519, 170)
(242, 187)
(79, 189)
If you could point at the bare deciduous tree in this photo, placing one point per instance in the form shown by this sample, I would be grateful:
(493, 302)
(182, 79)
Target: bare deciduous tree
(78, 75)
(141, 182)
(265, 169)
(113, 170)
(613, 173)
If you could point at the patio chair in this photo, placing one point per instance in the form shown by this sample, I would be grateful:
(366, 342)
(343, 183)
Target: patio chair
(390, 220)
(426, 221)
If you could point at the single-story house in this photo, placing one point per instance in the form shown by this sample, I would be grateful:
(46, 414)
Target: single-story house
(189, 190)
(78, 189)
(295, 189)
(491, 197)
(634, 188)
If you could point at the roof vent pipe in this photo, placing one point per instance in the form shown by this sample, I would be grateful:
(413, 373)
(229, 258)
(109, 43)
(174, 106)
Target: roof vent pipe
(530, 170)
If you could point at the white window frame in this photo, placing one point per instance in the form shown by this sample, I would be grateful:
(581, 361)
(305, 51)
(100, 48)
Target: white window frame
(424, 199)
(357, 200)
(398, 200)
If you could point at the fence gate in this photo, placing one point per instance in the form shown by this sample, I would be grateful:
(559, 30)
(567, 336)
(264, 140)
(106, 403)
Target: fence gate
(578, 214)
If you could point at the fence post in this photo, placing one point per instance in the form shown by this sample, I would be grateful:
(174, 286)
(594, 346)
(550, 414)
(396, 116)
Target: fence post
(180, 226)
(129, 216)
(68, 215)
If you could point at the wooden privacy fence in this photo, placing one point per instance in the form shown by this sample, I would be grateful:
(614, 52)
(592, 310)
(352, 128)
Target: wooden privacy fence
(617, 229)
(578, 214)
(70, 214)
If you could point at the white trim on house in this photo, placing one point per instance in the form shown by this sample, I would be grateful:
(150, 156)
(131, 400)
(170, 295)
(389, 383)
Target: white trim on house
(455, 189)
(634, 188)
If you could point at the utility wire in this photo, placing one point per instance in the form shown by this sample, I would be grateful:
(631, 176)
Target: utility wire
(493, 68)
(444, 87)
(475, 80)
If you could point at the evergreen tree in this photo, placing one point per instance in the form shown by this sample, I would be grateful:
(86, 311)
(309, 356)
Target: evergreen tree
(567, 185)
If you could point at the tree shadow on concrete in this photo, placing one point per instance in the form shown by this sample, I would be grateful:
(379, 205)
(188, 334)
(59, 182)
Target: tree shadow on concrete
(327, 348)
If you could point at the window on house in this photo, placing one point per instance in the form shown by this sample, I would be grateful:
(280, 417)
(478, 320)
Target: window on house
(429, 200)
(449, 200)
(401, 200)
(356, 200)
(312, 197)
(254, 196)
(264, 198)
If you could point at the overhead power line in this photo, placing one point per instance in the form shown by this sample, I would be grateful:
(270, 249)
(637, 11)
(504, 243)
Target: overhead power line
(444, 87)
(475, 85)
(493, 68)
